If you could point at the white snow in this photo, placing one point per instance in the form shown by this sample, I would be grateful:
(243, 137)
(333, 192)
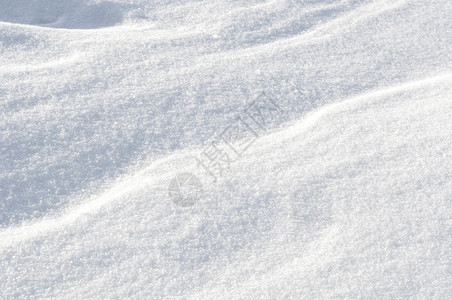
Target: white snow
(346, 193)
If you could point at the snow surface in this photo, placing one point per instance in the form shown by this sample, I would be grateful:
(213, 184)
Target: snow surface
(347, 193)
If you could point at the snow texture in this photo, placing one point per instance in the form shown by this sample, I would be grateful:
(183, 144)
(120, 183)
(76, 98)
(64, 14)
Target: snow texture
(343, 188)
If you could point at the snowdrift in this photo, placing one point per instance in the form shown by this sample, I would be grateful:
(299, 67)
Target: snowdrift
(342, 189)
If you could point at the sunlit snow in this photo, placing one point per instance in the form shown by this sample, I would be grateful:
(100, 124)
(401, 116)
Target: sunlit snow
(262, 149)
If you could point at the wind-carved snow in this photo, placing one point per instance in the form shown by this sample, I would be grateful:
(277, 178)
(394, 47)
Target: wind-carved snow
(347, 193)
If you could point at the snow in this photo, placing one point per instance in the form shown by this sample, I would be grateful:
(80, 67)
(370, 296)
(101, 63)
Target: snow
(346, 192)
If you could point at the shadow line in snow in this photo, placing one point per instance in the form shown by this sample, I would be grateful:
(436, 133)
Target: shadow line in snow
(69, 14)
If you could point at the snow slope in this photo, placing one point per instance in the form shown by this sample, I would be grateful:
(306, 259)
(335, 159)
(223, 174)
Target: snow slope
(347, 193)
